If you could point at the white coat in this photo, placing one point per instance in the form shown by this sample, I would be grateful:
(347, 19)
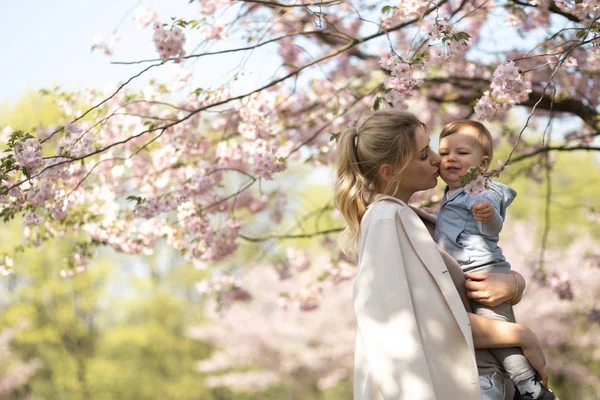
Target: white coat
(413, 336)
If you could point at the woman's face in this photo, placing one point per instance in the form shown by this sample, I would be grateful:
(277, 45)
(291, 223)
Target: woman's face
(423, 171)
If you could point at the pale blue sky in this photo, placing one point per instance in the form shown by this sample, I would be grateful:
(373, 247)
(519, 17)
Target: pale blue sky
(44, 43)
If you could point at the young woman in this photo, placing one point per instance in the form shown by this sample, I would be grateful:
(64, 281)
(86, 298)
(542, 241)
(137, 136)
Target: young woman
(415, 339)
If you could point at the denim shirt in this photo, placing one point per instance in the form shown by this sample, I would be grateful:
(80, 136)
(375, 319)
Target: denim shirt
(470, 242)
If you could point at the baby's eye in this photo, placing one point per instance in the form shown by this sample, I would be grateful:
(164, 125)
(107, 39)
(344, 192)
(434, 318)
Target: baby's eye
(462, 153)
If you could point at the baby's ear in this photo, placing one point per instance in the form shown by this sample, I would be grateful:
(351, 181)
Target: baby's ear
(485, 163)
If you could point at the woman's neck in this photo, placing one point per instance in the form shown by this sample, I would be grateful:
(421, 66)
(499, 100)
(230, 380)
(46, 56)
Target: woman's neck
(402, 196)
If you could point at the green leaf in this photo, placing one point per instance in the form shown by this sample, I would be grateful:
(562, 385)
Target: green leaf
(581, 34)
(137, 199)
(461, 36)
(377, 103)
(334, 136)
(469, 176)
(387, 9)
(309, 159)
(27, 173)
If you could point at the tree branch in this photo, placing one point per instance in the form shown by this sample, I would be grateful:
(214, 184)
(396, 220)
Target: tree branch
(297, 236)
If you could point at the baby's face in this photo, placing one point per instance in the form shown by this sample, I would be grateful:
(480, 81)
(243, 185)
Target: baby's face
(459, 152)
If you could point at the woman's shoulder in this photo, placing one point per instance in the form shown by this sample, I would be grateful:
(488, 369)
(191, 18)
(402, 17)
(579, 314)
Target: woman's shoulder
(384, 207)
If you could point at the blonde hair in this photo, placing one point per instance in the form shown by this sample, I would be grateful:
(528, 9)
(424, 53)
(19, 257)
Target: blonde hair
(484, 137)
(385, 137)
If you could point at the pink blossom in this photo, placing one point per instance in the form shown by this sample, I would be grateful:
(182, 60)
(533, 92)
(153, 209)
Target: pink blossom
(214, 32)
(561, 286)
(144, 17)
(32, 220)
(209, 7)
(28, 154)
(264, 160)
(38, 196)
(477, 186)
(387, 61)
(407, 9)
(401, 83)
(72, 128)
(169, 43)
(508, 89)
(179, 79)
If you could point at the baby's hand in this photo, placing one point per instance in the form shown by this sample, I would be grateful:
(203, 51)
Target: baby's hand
(483, 211)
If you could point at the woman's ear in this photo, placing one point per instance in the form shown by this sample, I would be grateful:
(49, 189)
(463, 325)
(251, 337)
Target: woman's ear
(485, 163)
(385, 173)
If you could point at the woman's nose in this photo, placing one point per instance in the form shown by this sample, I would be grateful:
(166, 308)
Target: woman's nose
(435, 158)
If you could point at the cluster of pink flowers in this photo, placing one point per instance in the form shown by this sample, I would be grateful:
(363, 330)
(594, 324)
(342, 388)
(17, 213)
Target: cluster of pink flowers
(179, 79)
(442, 29)
(587, 11)
(508, 89)
(169, 43)
(252, 203)
(105, 44)
(75, 142)
(153, 207)
(477, 186)
(208, 7)
(39, 195)
(306, 299)
(28, 154)
(446, 42)
(14, 372)
(144, 17)
(226, 287)
(257, 119)
(265, 160)
(312, 349)
(401, 83)
(561, 285)
(407, 9)
(214, 32)
(217, 245)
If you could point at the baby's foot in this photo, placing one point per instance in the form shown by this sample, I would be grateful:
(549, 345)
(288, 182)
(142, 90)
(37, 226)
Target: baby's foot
(532, 389)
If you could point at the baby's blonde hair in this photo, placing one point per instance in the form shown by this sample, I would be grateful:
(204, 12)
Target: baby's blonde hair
(385, 137)
(484, 137)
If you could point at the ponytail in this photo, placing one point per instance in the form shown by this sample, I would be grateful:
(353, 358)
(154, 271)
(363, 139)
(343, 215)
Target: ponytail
(385, 137)
(351, 188)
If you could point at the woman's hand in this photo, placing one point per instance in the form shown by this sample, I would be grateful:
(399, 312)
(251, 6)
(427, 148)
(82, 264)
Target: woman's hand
(534, 353)
(491, 289)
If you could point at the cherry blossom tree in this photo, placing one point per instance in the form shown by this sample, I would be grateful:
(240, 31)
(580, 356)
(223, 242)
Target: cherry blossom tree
(259, 343)
(201, 168)
(193, 166)
(14, 372)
